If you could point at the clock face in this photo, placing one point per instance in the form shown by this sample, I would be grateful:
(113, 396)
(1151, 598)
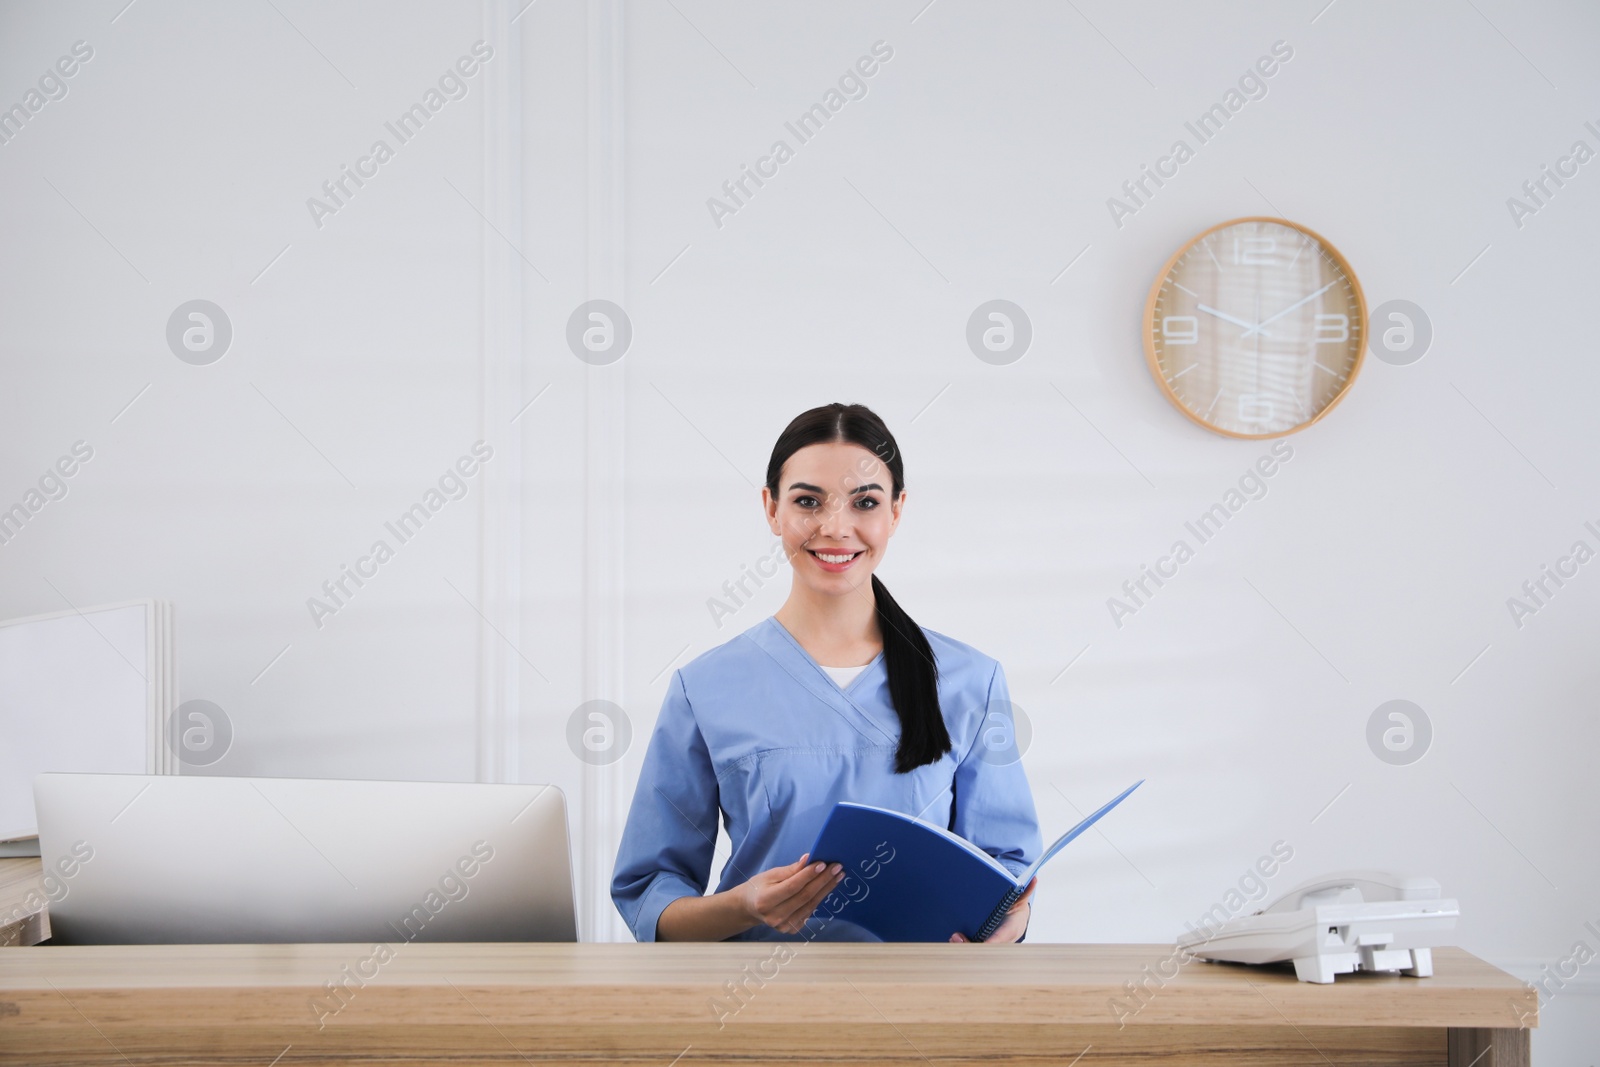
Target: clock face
(1254, 328)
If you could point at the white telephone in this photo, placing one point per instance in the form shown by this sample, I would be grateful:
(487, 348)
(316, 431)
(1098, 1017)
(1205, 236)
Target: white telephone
(1345, 922)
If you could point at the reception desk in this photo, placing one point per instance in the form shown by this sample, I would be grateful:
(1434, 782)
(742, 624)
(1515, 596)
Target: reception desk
(738, 1003)
(22, 902)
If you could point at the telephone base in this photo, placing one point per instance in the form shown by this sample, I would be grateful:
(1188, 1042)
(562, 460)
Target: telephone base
(1415, 962)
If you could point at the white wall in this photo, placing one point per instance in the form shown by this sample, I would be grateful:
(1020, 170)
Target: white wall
(383, 344)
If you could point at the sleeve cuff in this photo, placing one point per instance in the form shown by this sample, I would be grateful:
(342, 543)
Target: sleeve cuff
(663, 891)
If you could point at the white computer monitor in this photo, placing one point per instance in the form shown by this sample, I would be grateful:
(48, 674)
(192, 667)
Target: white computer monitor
(156, 859)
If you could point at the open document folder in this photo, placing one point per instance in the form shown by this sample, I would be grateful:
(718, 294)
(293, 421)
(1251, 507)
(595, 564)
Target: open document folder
(915, 881)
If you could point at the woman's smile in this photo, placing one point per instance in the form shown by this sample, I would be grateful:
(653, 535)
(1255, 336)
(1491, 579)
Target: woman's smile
(835, 560)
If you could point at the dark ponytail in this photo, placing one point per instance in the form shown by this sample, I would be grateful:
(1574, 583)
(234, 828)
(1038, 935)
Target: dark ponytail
(907, 657)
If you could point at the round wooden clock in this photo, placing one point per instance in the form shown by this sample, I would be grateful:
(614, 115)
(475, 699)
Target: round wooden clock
(1254, 328)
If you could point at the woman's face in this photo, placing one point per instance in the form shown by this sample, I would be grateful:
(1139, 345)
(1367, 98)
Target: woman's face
(835, 513)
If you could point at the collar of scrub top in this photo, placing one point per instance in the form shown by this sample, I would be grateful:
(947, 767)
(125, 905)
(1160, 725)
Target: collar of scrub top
(777, 642)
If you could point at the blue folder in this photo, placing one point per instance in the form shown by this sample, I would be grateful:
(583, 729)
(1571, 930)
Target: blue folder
(909, 880)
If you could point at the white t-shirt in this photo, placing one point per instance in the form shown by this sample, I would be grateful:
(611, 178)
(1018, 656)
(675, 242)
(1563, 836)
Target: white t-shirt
(843, 676)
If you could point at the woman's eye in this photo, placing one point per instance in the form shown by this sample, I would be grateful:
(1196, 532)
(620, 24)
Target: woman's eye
(806, 501)
(866, 503)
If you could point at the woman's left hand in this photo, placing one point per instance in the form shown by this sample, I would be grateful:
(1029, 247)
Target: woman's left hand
(1015, 923)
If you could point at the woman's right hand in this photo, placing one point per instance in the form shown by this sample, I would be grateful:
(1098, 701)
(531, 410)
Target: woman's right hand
(784, 897)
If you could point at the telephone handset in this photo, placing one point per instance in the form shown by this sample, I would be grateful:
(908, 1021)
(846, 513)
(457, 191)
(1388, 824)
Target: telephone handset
(1361, 920)
(1368, 885)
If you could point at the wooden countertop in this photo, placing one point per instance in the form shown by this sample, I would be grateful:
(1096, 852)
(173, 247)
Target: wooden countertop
(673, 983)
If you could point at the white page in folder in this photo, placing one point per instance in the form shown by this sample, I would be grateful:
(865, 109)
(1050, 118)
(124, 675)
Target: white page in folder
(74, 696)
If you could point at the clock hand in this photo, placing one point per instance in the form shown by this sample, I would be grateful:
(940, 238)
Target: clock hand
(1273, 318)
(1225, 317)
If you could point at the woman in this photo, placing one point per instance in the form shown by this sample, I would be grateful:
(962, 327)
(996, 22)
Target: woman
(839, 696)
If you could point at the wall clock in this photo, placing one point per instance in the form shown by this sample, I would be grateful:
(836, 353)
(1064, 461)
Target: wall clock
(1254, 328)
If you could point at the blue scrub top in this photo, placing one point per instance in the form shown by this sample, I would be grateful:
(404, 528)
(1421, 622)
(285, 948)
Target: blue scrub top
(756, 730)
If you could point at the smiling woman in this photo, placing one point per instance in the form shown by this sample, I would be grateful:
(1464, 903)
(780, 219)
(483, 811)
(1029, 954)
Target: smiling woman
(845, 530)
(771, 729)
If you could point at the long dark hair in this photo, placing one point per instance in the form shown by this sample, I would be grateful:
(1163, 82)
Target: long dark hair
(913, 674)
